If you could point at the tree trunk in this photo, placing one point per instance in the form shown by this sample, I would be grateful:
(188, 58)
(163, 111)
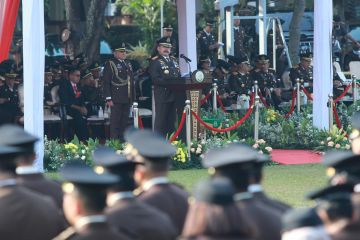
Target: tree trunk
(75, 17)
(94, 26)
(295, 31)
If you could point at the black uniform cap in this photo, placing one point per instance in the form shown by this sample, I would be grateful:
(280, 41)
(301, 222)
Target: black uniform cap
(13, 135)
(210, 22)
(233, 60)
(78, 173)
(120, 47)
(332, 193)
(107, 157)
(262, 58)
(307, 56)
(223, 65)
(341, 161)
(168, 26)
(94, 66)
(86, 74)
(165, 42)
(8, 152)
(148, 144)
(299, 218)
(230, 154)
(218, 191)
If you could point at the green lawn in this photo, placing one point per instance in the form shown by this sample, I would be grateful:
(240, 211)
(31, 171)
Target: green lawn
(286, 183)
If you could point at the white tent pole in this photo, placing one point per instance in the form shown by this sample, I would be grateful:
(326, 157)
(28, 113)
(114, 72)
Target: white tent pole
(323, 78)
(34, 61)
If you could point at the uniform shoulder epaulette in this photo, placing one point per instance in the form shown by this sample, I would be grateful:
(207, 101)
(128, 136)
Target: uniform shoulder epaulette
(173, 58)
(155, 58)
(235, 73)
(66, 234)
(296, 66)
(257, 70)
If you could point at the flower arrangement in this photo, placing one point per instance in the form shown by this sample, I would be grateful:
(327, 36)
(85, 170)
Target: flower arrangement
(181, 151)
(334, 139)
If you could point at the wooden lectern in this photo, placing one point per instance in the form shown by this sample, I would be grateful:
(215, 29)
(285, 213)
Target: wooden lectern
(193, 92)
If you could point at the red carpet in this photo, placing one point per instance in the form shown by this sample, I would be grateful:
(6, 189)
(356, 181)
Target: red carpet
(288, 157)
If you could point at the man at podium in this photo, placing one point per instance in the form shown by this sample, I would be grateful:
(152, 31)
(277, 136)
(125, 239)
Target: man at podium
(164, 69)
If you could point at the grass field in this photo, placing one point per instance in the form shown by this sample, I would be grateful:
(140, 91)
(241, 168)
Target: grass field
(287, 183)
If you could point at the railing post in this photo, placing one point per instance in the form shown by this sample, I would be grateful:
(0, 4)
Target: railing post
(136, 114)
(355, 89)
(331, 109)
(256, 124)
(214, 96)
(298, 97)
(188, 127)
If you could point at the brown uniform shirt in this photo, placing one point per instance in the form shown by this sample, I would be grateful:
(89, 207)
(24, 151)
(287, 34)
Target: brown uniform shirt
(38, 183)
(142, 220)
(27, 215)
(169, 199)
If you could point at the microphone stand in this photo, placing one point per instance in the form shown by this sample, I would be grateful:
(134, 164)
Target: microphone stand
(189, 67)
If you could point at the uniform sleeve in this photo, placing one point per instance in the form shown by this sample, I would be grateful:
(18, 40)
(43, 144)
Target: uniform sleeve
(107, 77)
(154, 71)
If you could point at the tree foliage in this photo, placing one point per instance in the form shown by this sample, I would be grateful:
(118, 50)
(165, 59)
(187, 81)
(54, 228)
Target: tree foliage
(147, 15)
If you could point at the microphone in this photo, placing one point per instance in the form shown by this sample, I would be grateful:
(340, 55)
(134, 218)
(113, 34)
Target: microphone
(185, 57)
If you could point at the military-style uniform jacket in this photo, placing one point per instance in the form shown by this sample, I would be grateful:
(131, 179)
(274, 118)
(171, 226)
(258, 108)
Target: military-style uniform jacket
(204, 42)
(164, 71)
(141, 220)
(38, 183)
(240, 41)
(27, 215)
(266, 221)
(169, 199)
(305, 76)
(91, 231)
(350, 57)
(266, 80)
(12, 105)
(240, 83)
(273, 204)
(118, 81)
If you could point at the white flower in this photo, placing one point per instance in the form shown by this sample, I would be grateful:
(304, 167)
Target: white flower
(198, 151)
(235, 141)
(243, 140)
(83, 151)
(328, 139)
(262, 141)
(347, 146)
(191, 144)
(261, 152)
(83, 157)
(322, 143)
(331, 144)
(77, 156)
(228, 141)
(192, 149)
(119, 151)
(199, 146)
(337, 146)
(269, 149)
(255, 145)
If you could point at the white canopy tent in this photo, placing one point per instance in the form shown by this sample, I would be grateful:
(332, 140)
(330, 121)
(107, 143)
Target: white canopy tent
(34, 52)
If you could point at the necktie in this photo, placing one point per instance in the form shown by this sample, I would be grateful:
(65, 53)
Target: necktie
(75, 88)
